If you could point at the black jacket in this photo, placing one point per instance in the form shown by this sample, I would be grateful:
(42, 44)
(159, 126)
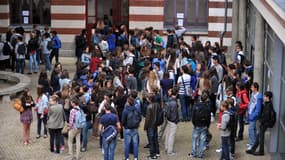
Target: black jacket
(171, 110)
(265, 113)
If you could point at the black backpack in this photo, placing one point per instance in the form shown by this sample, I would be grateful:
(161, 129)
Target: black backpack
(133, 119)
(6, 49)
(159, 114)
(49, 45)
(22, 49)
(202, 113)
(232, 124)
(272, 119)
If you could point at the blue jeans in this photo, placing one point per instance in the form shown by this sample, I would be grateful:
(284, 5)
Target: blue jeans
(47, 62)
(33, 60)
(252, 132)
(39, 126)
(85, 133)
(199, 135)
(185, 107)
(20, 65)
(109, 149)
(153, 141)
(225, 148)
(131, 135)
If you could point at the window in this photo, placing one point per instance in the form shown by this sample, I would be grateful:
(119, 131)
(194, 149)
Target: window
(30, 12)
(192, 14)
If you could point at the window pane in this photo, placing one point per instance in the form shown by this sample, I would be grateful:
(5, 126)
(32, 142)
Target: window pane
(191, 12)
(202, 13)
(37, 12)
(169, 10)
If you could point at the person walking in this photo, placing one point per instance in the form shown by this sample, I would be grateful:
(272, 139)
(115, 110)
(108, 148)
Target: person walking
(109, 120)
(55, 123)
(172, 119)
(131, 118)
(265, 120)
(46, 51)
(41, 109)
(201, 120)
(254, 109)
(56, 45)
(26, 117)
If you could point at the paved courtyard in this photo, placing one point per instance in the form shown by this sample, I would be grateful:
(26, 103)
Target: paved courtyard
(12, 148)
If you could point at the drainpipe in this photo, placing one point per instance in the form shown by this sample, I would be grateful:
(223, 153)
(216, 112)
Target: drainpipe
(225, 23)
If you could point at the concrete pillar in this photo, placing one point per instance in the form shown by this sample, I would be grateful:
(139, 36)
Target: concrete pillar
(259, 49)
(242, 22)
(235, 24)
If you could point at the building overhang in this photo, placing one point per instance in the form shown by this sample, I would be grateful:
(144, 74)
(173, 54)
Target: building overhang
(273, 15)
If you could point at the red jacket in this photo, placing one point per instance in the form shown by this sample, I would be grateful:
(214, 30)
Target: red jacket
(95, 61)
(243, 101)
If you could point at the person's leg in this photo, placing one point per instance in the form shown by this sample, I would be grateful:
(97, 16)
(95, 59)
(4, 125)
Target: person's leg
(57, 139)
(28, 132)
(51, 140)
(195, 136)
(172, 132)
(162, 129)
(17, 65)
(36, 63)
(166, 136)
(252, 132)
(232, 143)
(241, 125)
(31, 63)
(203, 137)
(183, 107)
(56, 55)
(25, 130)
(45, 124)
(77, 143)
(156, 147)
(105, 148)
(39, 126)
(71, 135)
(22, 67)
(225, 148)
(85, 135)
(150, 136)
(52, 54)
(135, 140)
(13, 61)
(127, 141)
(112, 149)
(261, 135)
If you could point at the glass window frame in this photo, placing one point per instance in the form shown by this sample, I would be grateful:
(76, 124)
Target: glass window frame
(186, 20)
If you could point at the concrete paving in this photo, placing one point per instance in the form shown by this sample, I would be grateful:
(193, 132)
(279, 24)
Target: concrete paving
(12, 148)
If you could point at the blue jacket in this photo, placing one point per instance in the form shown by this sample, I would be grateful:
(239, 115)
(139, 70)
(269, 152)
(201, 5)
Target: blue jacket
(257, 109)
(56, 43)
(111, 39)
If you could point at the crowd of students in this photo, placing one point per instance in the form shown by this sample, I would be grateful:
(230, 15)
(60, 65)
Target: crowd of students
(121, 77)
(41, 47)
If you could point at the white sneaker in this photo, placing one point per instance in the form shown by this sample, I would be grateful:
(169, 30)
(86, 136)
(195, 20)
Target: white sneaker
(219, 150)
(212, 118)
(249, 147)
(102, 151)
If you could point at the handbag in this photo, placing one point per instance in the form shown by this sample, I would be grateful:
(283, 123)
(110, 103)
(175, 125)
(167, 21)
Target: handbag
(109, 133)
(65, 128)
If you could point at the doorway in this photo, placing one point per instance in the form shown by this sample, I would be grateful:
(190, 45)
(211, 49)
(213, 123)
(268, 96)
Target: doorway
(116, 10)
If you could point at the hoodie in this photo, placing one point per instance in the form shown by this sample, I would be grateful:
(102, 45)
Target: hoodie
(242, 101)
(126, 111)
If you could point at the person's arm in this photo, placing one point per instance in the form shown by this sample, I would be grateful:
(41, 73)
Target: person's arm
(124, 117)
(100, 128)
(71, 118)
(243, 102)
(225, 120)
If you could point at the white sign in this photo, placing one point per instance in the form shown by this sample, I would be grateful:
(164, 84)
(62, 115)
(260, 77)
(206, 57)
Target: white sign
(180, 22)
(26, 13)
(180, 15)
(26, 20)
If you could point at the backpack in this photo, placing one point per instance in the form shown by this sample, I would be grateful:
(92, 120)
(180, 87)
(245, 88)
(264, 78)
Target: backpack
(80, 119)
(17, 104)
(96, 39)
(272, 119)
(6, 49)
(159, 114)
(192, 64)
(202, 113)
(133, 119)
(109, 133)
(232, 124)
(22, 49)
(49, 45)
